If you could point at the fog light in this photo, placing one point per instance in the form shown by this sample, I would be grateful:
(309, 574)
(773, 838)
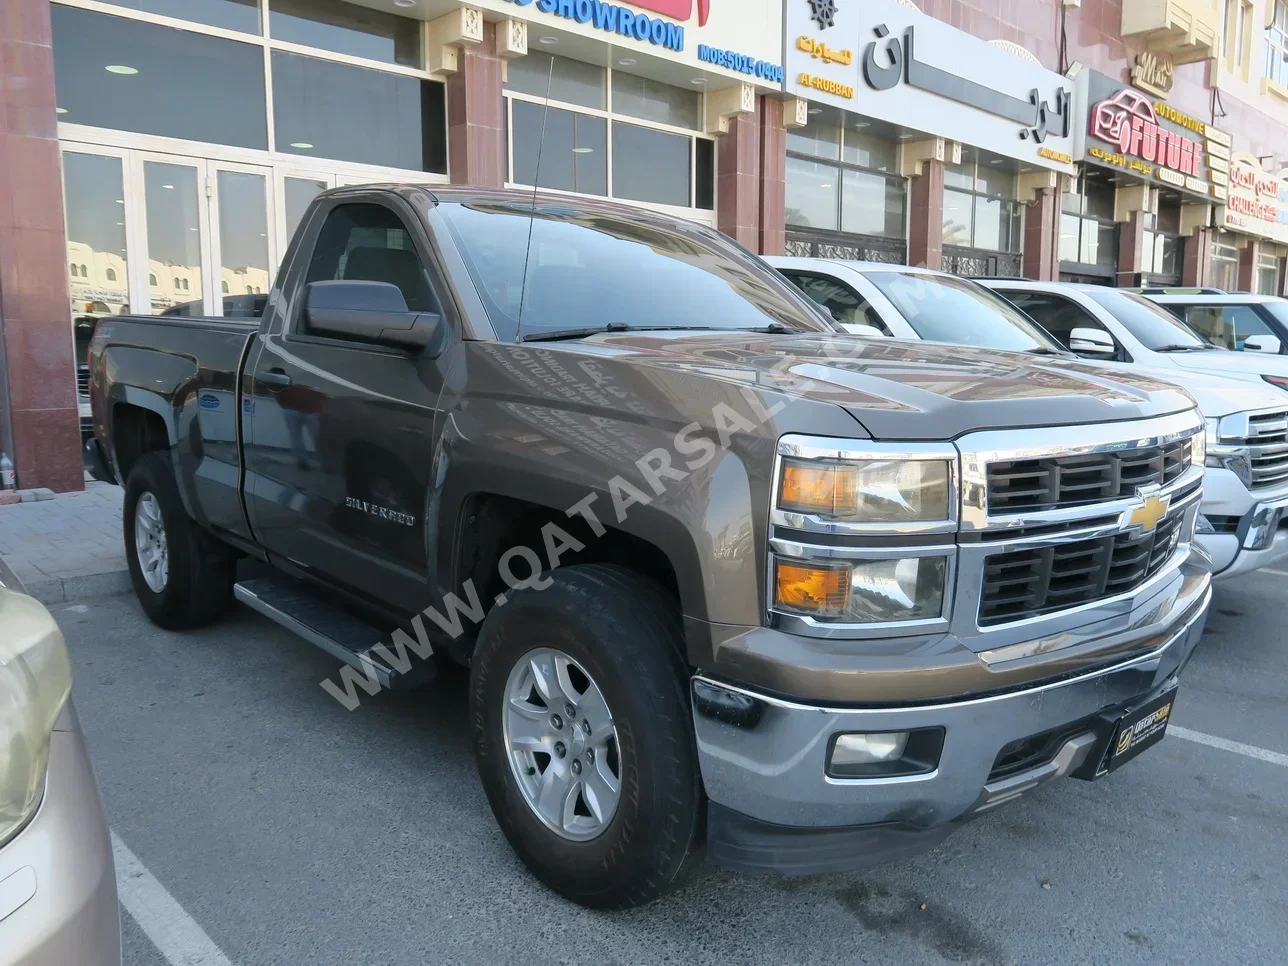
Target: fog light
(868, 749)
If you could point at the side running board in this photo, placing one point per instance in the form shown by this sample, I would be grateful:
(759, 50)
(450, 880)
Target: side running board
(303, 611)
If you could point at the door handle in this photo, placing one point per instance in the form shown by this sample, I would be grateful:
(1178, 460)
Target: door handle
(275, 379)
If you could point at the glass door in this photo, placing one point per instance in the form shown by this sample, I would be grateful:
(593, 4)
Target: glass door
(242, 237)
(172, 205)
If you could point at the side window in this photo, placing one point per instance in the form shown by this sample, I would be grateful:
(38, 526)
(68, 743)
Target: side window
(1057, 315)
(842, 301)
(1227, 325)
(369, 243)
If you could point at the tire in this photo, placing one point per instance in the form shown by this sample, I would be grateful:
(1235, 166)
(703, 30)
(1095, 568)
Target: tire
(197, 584)
(625, 634)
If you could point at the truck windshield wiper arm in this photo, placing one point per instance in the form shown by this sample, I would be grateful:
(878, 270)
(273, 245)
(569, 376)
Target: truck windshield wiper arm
(1183, 348)
(1044, 351)
(557, 335)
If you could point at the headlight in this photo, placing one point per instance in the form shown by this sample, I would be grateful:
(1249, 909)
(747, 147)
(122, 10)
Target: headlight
(867, 491)
(879, 590)
(35, 680)
(1226, 447)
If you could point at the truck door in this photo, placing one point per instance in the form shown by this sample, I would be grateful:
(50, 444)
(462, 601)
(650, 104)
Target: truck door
(340, 433)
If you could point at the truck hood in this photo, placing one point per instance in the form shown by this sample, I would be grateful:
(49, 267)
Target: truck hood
(1221, 395)
(1239, 365)
(905, 389)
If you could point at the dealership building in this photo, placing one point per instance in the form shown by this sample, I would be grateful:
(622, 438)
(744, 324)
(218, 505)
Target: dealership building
(158, 154)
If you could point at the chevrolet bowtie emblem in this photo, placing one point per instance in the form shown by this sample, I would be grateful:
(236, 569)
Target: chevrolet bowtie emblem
(1151, 511)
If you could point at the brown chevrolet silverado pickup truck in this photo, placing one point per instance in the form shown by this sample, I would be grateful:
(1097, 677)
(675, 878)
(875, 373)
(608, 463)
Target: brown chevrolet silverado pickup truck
(721, 573)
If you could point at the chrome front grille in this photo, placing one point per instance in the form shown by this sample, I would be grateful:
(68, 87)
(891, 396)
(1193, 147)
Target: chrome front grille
(1092, 521)
(1041, 580)
(1068, 481)
(1268, 448)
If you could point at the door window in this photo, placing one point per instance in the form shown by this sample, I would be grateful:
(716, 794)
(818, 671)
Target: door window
(840, 300)
(1057, 315)
(366, 242)
(1226, 325)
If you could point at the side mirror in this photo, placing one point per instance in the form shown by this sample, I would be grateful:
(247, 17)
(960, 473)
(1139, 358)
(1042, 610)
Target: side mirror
(863, 329)
(370, 311)
(1263, 343)
(1092, 342)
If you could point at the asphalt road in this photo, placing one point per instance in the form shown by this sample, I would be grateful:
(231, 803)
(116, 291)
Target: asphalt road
(295, 832)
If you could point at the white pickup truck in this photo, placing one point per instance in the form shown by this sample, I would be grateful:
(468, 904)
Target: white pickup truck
(1246, 492)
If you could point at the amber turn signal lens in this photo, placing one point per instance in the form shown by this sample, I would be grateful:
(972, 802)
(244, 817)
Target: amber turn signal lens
(817, 488)
(816, 591)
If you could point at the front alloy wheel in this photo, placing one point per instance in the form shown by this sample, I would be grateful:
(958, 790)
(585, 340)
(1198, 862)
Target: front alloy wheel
(562, 744)
(150, 543)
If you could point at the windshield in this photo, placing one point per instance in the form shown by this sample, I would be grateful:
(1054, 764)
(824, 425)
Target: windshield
(1153, 326)
(591, 269)
(942, 308)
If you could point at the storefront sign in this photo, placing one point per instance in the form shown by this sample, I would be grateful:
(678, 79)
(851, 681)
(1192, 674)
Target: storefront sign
(1125, 130)
(739, 38)
(889, 61)
(1154, 73)
(1258, 202)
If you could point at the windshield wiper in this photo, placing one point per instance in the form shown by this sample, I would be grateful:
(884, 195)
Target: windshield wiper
(1044, 351)
(557, 335)
(1183, 348)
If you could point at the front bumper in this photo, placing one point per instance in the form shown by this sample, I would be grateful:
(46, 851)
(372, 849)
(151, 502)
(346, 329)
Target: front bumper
(1253, 525)
(774, 807)
(57, 878)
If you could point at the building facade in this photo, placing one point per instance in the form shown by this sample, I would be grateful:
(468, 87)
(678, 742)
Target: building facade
(159, 153)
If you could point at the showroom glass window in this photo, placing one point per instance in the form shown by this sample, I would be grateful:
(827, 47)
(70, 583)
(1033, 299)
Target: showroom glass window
(359, 96)
(1224, 269)
(1268, 273)
(606, 133)
(1088, 232)
(980, 206)
(1161, 253)
(1275, 65)
(843, 178)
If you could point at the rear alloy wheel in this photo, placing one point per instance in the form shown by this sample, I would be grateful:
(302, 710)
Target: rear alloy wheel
(563, 746)
(150, 543)
(182, 575)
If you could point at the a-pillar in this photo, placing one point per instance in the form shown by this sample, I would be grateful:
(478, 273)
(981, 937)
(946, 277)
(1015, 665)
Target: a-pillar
(1249, 257)
(39, 423)
(926, 216)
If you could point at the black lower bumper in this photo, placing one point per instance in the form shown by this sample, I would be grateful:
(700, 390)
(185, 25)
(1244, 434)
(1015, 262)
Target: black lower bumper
(744, 844)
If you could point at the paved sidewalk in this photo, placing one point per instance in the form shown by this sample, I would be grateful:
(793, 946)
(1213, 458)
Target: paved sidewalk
(69, 547)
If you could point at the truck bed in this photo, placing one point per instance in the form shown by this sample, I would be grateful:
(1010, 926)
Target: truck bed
(180, 373)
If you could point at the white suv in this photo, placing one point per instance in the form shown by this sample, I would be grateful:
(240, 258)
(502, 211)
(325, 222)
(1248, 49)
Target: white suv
(1246, 490)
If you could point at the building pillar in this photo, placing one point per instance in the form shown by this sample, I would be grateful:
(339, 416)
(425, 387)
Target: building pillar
(475, 111)
(1249, 257)
(738, 156)
(1131, 250)
(1041, 237)
(926, 216)
(1198, 248)
(773, 177)
(39, 423)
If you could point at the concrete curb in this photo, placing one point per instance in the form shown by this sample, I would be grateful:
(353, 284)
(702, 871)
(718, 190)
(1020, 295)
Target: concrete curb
(60, 590)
